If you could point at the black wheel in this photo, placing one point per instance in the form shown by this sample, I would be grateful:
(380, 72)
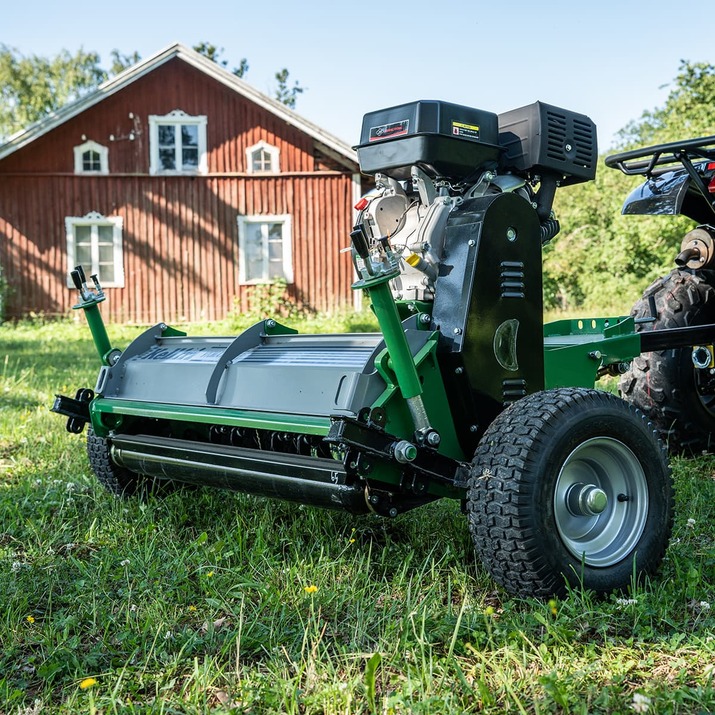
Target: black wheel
(570, 487)
(663, 384)
(118, 480)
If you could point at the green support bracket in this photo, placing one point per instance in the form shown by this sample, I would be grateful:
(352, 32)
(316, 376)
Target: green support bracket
(89, 300)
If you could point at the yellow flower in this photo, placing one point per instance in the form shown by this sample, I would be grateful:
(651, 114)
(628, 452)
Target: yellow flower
(489, 611)
(30, 619)
(192, 608)
(311, 589)
(553, 606)
(352, 541)
(209, 574)
(87, 683)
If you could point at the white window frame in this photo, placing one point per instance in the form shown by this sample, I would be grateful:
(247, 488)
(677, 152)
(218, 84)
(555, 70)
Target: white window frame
(90, 145)
(287, 239)
(96, 219)
(273, 152)
(178, 118)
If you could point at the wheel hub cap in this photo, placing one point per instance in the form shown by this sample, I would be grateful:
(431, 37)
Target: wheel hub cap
(593, 519)
(586, 500)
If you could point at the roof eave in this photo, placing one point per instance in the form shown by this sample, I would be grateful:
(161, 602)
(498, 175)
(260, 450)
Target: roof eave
(338, 149)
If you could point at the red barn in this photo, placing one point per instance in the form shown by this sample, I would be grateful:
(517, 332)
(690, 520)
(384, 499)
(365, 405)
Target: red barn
(183, 188)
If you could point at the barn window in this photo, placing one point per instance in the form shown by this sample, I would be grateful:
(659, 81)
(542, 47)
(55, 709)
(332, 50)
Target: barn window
(95, 243)
(177, 144)
(262, 158)
(264, 249)
(91, 158)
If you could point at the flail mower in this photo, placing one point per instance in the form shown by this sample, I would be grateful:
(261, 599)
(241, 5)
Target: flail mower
(464, 393)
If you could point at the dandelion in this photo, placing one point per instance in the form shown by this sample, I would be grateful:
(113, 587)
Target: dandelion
(351, 541)
(87, 683)
(704, 606)
(553, 606)
(125, 562)
(30, 619)
(192, 609)
(489, 611)
(691, 523)
(209, 574)
(311, 589)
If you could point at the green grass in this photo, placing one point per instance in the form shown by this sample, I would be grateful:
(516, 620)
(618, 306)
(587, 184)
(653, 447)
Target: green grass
(197, 602)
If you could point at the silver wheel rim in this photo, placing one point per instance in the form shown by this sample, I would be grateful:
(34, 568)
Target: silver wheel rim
(601, 502)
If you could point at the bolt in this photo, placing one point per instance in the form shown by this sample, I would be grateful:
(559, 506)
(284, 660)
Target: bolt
(270, 323)
(392, 512)
(405, 451)
(511, 234)
(568, 147)
(473, 428)
(425, 318)
(374, 499)
(163, 327)
(701, 357)
(471, 242)
(595, 355)
(433, 438)
(458, 371)
(457, 331)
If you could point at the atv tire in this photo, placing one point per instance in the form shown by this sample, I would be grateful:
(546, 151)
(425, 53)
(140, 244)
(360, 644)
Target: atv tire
(118, 480)
(662, 384)
(570, 488)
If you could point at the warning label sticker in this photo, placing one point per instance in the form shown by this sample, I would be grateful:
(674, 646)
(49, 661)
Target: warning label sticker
(387, 131)
(465, 131)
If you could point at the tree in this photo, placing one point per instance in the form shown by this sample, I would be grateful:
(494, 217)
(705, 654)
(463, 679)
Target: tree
(32, 87)
(214, 53)
(120, 62)
(602, 260)
(688, 112)
(285, 94)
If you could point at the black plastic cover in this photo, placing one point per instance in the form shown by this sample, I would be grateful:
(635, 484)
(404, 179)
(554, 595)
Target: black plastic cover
(444, 139)
(541, 138)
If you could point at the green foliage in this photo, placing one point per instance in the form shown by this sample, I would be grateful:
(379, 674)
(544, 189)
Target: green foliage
(689, 111)
(33, 87)
(602, 261)
(120, 62)
(208, 601)
(212, 52)
(285, 94)
(266, 300)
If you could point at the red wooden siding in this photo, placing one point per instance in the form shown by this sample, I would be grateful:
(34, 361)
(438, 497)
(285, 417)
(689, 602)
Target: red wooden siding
(234, 124)
(180, 240)
(180, 233)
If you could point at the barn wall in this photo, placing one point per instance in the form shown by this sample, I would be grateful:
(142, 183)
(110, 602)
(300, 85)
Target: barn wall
(180, 233)
(233, 124)
(180, 240)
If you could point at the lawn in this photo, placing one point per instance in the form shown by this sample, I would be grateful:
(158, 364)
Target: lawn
(206, 601)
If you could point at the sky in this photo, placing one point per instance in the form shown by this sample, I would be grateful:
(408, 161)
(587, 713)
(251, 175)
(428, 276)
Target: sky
(608, 59)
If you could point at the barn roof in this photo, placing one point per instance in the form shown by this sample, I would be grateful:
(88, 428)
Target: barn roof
(331, 145)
